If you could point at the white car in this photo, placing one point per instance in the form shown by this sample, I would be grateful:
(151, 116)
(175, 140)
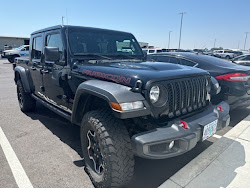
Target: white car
(242, 60)
(227, 54)
(152, 51)
(16, 52)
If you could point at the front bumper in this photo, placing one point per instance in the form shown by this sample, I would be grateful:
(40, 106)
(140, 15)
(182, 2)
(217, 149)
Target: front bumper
(5, 56)
(154, 144)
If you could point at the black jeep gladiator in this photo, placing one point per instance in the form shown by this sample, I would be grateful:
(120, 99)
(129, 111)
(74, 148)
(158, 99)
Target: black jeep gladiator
(98, 79)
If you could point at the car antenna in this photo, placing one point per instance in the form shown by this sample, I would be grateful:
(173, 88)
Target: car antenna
(62, 20)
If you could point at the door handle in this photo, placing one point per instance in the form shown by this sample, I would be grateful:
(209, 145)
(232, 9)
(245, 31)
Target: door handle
(44, 71)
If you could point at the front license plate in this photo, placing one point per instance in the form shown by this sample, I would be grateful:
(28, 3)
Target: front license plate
(209, 130)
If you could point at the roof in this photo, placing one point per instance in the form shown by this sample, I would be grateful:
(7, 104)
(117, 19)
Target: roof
(14, 37)
(71, 26)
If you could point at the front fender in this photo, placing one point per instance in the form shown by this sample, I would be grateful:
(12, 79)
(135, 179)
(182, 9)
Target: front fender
(24, 78)
(110, 92)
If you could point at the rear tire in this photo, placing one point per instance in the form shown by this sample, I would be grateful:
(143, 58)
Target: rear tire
(227, 57)
(110, 162)
(26, 102)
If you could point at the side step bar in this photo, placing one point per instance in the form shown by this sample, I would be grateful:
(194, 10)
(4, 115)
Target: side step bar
(51, 107)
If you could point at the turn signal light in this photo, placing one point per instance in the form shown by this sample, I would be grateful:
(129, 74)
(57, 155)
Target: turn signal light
(184, 124)
(127, 106)
(234, 77)
(220, 108)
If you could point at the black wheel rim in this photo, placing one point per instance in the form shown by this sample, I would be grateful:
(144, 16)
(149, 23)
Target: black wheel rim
(94, 152)
(20, 97)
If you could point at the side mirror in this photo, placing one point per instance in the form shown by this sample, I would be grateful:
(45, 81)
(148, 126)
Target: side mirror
(51, 54)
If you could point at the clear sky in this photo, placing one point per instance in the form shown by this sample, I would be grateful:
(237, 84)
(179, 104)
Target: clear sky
(149, 20)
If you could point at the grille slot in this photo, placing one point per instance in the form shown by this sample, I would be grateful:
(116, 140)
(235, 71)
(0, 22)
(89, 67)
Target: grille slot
(186, 95)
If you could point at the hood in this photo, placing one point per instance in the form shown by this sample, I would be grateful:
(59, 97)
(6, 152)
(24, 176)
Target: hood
(10, 51)
(128, 73)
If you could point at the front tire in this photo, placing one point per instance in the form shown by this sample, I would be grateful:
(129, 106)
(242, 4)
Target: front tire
(26, 102)
(106, 150)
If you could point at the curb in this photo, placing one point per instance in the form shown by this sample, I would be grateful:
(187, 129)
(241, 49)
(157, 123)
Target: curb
(195, 167)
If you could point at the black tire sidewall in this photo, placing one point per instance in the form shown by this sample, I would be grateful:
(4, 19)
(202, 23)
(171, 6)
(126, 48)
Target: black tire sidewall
(86, 126)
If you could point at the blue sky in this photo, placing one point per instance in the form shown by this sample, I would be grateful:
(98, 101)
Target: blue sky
(149, 20)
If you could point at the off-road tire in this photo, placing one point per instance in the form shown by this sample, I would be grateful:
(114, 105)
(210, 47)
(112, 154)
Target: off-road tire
(115, 146)
(26, 102)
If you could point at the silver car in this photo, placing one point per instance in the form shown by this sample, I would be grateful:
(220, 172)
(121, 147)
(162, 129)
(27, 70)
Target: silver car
(242, 60)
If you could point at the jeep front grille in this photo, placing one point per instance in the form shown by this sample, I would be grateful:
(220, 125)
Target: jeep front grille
(183, 96)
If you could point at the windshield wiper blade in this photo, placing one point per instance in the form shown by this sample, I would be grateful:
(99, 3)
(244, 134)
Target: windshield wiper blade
(95, 55)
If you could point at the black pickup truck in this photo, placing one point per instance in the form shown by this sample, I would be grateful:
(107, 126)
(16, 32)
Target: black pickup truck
(99, 79)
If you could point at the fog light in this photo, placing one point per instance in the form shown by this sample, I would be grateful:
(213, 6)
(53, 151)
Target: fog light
(171, 145)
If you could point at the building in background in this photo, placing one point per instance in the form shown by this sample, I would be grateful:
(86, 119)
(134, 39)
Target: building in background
(7, 42)
(143, 44)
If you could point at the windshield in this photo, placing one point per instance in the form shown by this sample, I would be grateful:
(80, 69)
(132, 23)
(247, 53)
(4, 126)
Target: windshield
(105, 43)
(20, 47)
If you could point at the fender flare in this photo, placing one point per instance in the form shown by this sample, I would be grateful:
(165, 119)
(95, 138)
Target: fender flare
(24, 78)
(110, 92)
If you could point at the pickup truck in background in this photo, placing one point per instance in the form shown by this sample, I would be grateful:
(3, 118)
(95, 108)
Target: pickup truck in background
(16, 52)
(226, 54)
(100, 80)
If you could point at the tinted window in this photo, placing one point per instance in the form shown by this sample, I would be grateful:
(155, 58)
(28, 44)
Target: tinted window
(37, 46)
(187, 63)
(173, 60)
(163, 58)
(27, 48)
(54, 40)
(158, 51)
(151, 51)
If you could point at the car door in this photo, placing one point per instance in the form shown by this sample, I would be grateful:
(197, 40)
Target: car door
(35, 64)
(24, 51)
(54, 77)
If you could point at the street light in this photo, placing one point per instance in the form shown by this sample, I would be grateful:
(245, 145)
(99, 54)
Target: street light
(181, 28)
(245, 40)
(214, 42)
(169, 38)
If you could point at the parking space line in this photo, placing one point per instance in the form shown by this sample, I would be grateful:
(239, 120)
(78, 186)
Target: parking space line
(217, 136)
(18, 172)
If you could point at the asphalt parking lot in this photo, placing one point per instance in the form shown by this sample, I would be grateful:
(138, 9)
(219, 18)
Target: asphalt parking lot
(48, 146)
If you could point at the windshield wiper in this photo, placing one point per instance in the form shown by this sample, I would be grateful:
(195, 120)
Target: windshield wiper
(93, 54)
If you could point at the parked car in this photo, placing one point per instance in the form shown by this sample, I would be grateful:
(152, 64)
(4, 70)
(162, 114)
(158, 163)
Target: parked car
(16, 52)
(226, 54)
(152, 50)
(234, 79)
(242, 60)
(124, 105)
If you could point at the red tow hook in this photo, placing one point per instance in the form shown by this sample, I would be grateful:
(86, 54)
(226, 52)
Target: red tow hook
(220, 108)
(184, 124)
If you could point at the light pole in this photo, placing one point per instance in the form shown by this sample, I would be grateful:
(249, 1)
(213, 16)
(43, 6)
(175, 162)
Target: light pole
(169, 38)
(181, 28)
(214, 42)
(245, 40)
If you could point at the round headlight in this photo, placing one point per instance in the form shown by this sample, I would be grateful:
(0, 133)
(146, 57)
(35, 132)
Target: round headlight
(154, 94)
